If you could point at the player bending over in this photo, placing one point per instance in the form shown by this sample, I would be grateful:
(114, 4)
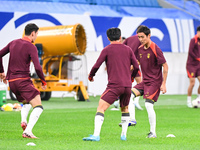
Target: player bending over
(118, 58)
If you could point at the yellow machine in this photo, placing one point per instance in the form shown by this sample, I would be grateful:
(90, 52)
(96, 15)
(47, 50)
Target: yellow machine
(61, 52)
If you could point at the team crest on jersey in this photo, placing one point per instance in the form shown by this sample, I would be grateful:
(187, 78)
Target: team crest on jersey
(148, 55)
(140, 55)
(192, 73)
(147, 94)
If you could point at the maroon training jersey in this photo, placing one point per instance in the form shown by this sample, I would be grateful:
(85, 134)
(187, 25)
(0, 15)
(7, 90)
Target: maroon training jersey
(151, 61)
(22, 52)
(194, 52)
(133, 42)
(118, 58)
(1, 66)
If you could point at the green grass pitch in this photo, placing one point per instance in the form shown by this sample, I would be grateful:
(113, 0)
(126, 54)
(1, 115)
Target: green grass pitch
(64, 122)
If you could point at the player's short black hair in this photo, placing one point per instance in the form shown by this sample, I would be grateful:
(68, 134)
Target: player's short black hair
(144, 29)
(29, 28)
(139, 27)
(198, 28)
(114, 34)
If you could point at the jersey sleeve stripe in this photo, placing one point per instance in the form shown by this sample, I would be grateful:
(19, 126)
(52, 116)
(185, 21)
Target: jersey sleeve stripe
(196, 38)
(153, 48)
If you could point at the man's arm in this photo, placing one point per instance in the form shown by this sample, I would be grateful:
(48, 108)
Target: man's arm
(135, 65)
(165, 72)
(96, 66)
(1, 66)
(38, 68)
(3, 52)
(191, 50)
(3, 78)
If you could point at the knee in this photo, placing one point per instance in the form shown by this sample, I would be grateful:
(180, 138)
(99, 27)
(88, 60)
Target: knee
(103, 106)
(192, 82)
(136, 92)
(138, 80)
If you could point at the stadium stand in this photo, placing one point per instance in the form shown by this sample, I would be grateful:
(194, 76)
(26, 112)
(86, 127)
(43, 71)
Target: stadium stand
(134, 3)
(153, 12)
(52, 7)
(112, 8)
(63, 1)
(190, 6)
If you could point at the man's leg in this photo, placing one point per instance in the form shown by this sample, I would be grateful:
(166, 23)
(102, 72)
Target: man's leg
(190, 88)
(98, 121)
(152, 118)
(124, 122)
(24, 114)
(35, 114)
(198, 96)
(99, 117)
(131, 108)
(136, 99)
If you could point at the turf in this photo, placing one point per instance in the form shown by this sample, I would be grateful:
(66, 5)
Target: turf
(64, 122)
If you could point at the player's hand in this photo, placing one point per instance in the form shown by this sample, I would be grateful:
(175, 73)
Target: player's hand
(90, 79)
(5, 81)
(163, 88)
(3, 78)
(131, 68)
(44, 87)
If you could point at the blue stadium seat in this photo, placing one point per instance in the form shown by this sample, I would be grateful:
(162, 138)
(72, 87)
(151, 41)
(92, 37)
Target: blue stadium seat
(147, 3)
(151, 12)
(118, 3)
(189, 6)
(74, 1)
(130, 2)
(135, 3)
(52, 7)
(63, 1)
(117, 8)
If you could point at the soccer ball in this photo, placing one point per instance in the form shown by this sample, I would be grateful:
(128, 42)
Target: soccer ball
(116, 104)
(196, 103)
